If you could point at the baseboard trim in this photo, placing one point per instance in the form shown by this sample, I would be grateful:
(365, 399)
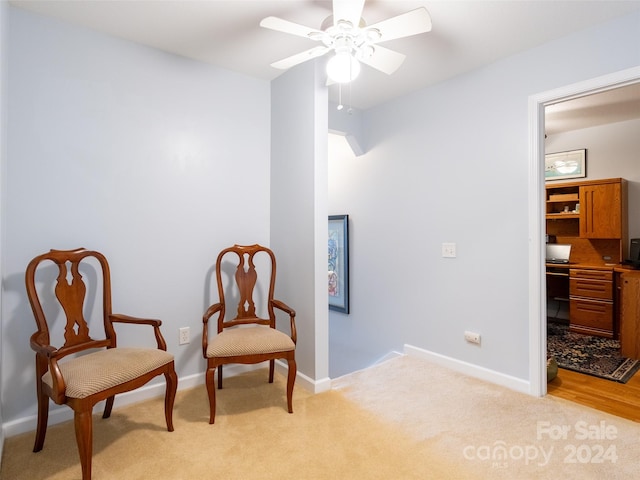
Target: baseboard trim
(470, 369)
(309, 384)
(61, 413)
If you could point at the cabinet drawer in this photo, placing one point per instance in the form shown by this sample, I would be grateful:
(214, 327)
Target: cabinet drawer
(580, 287)
(592, 274)
(591, 313)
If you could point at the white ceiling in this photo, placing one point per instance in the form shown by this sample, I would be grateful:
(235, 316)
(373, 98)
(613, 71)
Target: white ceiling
(466, 34)
(616, 105)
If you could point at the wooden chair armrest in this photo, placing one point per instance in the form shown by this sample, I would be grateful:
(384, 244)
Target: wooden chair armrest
(47, 360)
(39, 344)
(284, 307)
(120, 318)
(212, 310)
(216, 307)
(292, 316)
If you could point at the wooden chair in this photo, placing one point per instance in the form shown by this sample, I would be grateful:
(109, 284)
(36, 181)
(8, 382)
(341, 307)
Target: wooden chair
(246, 338)
(81, 381)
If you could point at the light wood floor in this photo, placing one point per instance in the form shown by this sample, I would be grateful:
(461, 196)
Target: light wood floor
(620, 399)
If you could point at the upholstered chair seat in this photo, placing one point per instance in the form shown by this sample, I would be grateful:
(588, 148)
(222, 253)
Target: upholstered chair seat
(249, 341)
(95, 372)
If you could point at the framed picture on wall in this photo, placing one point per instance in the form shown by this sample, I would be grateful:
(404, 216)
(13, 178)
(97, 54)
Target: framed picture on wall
(338, 263)
(563, 165)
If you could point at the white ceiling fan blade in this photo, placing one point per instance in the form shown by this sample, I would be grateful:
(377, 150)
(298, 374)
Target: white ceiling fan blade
(404, 25)
(298, 58)
(280, 25)
(350, 10)
(385, 60)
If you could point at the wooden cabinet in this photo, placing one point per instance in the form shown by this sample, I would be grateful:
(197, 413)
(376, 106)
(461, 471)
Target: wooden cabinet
(630, 315)
(601, 210)
(591, 296)
(591, 216)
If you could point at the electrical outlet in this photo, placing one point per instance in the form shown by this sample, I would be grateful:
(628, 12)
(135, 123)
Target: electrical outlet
(472, 337)
(449, 250)
(184, 335)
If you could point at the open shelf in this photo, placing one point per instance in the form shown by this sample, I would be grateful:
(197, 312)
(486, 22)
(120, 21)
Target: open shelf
(560, 216)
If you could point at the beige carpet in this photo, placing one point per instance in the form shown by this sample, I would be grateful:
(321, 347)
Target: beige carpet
(403, 419)
(493, 432)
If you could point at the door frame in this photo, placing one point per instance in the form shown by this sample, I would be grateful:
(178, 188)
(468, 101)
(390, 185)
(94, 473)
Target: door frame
(537, 277)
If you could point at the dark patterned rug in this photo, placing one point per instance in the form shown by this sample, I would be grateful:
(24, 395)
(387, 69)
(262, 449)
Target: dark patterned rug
(588, 354)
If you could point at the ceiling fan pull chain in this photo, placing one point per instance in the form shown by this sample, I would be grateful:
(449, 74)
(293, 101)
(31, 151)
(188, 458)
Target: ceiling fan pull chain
(350, 110)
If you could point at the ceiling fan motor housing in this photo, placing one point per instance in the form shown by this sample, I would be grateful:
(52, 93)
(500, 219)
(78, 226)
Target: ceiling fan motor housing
(345, 38)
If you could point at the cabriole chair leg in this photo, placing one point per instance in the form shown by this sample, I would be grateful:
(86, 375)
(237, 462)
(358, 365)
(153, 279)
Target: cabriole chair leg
(84, 437)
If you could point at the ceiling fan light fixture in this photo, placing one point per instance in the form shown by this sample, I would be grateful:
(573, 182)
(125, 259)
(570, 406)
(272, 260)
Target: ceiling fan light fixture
(365, 52)
(373, 35)
(343, 67)
(344, 25)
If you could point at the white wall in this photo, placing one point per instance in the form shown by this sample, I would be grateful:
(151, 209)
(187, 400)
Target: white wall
(4, 35)
(612, 151)
(450, 164)
(155, 160)
(346, 354)
(299, 126)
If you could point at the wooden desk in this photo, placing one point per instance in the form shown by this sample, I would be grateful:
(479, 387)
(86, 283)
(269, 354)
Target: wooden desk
(628, 296)
(589, 289)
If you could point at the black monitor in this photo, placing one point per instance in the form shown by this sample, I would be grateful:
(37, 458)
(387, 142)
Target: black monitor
(634, 253)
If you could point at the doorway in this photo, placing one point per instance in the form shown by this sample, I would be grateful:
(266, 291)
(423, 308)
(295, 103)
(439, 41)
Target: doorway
(537, 294)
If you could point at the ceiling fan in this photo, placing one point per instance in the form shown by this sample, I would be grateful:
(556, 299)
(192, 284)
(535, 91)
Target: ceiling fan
(352, 41)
